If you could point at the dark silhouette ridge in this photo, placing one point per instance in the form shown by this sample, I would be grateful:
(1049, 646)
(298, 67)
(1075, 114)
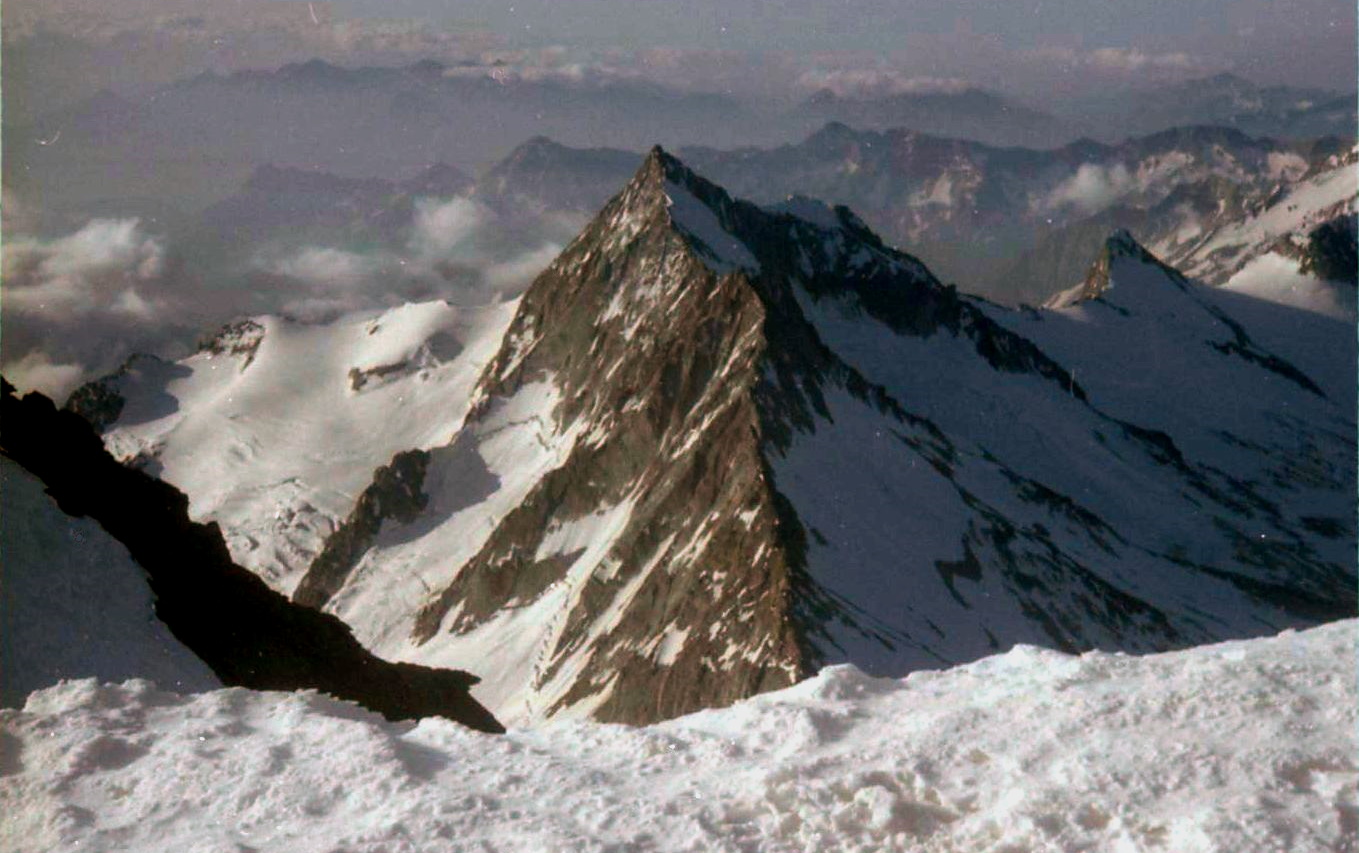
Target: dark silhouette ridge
(248, 634)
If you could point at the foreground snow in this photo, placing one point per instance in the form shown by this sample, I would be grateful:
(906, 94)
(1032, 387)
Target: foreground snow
(1241, 746)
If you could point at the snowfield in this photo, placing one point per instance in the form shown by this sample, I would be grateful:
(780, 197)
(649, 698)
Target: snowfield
(1242, 746)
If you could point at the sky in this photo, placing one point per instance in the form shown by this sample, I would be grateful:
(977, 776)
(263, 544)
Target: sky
(1262, 38)
(1037, 50)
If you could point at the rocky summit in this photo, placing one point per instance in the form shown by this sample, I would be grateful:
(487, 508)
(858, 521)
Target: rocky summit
(718, 446)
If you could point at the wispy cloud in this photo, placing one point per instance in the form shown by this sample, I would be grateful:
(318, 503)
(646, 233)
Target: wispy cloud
(78, 303)
(1122, 60)
(878, 83)
(1093, 187)
(76, 306)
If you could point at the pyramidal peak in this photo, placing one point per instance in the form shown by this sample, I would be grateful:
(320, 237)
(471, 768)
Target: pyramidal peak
(1120, 248)
(1121, 243)
(718, 446)
(701, 211)
(728, 234)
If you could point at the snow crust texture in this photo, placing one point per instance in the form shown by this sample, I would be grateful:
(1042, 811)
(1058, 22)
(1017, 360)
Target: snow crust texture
(1243, 746)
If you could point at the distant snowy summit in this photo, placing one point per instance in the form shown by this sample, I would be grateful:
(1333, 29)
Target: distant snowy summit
(717, 446)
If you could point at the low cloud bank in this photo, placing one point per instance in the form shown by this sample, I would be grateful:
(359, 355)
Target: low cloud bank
(878, 83)
(75, 307)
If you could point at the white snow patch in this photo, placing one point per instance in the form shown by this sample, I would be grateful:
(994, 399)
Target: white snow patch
(670, 644)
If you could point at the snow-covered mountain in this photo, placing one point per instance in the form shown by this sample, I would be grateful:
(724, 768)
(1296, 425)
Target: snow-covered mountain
(274, 427)
(1228, 748)
(720, 446)
(1309, 221)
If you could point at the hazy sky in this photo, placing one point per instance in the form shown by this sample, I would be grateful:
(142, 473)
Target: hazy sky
(1040, 50)
(1298, 41)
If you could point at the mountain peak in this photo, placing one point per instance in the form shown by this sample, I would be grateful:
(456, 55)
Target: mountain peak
(660, 164)
(699, 210)
(1120, 245)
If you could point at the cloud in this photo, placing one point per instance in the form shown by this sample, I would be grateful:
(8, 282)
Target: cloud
(878, 83)
(1093, 187)
(36, 372)
(78, 305)
(1132, 59)
(514, 275)
(96, 269)
(454, 249)
(327, 268)
(466, 233)
(441, 227)
(1122, 60)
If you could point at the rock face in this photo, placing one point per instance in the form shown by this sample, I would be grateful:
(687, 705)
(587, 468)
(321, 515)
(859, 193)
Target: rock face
(394, 494)
(97, 402)
(1332, 251)
(247, 634)
(722, 445)
(241, 338)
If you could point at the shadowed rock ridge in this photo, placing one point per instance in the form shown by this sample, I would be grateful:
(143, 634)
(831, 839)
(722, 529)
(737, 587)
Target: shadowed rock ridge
(249, 635)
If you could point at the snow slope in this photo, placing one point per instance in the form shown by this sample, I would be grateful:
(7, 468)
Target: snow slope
(276, 438)
(1226, 249)
(1243, 746)
(74, 604)
(1042, 511)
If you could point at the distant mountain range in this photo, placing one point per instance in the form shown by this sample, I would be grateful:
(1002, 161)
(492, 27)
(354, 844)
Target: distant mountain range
(194, 141)
(1229, 100)
(716, 446)
(973, 114)
(1015, 225)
